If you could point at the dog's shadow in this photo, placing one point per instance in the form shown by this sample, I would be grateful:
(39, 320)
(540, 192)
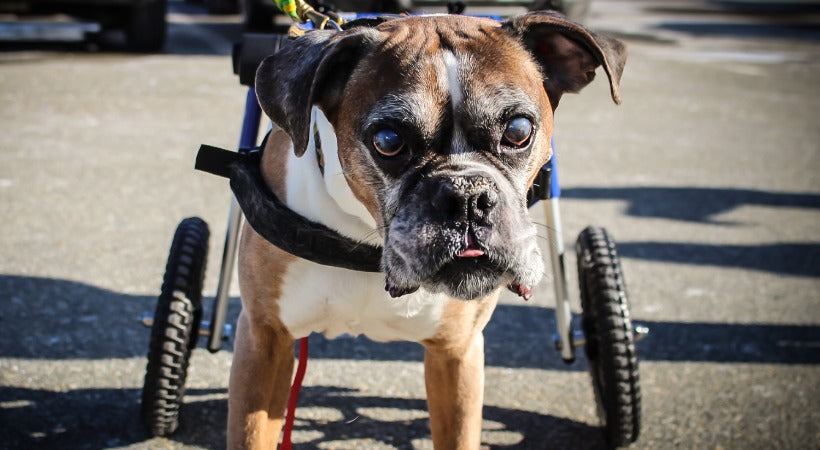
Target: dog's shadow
(327, 417)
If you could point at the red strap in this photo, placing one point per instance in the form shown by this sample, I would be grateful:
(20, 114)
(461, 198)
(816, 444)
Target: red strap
(294, 393)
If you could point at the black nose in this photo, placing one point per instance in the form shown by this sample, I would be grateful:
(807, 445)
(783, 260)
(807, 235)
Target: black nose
(464, 198)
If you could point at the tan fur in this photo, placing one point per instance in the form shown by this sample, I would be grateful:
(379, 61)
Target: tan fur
(263, 357)
(454, 373)
(274, 159)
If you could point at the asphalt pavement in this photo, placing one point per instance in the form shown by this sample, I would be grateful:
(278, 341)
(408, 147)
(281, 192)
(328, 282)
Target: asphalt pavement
(707, 176)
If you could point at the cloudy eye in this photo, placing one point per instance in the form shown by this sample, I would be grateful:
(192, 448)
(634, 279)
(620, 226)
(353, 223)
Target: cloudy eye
(388, 142)
(518, 132)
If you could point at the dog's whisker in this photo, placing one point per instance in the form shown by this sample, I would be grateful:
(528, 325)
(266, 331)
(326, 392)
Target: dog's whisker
(365, 240)
(545, 226)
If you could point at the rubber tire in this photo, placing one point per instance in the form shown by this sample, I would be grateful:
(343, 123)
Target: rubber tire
(175, 328)
(146, 26)
(610, 341)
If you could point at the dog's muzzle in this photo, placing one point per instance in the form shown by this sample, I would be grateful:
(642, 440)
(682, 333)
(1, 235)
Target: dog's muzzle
(463, 235)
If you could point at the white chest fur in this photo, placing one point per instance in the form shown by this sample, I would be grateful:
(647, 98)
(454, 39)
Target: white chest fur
(336, 301)
(326, 198)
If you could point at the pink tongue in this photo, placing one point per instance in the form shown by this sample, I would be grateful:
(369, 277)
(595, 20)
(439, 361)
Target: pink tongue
(470, 249)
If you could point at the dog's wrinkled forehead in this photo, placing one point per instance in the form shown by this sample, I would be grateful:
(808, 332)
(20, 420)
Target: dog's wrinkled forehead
(429, 71)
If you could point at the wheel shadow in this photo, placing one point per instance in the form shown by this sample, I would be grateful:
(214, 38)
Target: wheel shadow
(103, 418)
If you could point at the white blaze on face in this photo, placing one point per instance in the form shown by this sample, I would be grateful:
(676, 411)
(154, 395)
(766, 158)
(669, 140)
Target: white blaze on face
(453, 83)
(453, 87)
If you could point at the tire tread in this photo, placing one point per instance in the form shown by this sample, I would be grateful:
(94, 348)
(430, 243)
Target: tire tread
(610, 344)
(175, 325)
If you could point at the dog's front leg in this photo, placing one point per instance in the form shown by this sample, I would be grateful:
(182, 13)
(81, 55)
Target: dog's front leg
(454, 374)
(260, 380)
(455, 394)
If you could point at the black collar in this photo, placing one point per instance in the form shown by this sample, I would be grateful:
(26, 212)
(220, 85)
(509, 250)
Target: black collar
(278, 224)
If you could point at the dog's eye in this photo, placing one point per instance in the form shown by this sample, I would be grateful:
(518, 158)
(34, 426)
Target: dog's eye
(518, 132)
(388, 142)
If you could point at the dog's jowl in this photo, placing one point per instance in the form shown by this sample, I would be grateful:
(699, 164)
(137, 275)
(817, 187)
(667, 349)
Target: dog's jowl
(421, 135)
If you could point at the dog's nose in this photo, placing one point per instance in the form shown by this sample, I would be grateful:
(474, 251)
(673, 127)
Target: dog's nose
(471, 198)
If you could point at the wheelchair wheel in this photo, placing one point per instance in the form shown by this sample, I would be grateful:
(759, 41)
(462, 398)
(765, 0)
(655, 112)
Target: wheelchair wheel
(610, 340)
(175, 327)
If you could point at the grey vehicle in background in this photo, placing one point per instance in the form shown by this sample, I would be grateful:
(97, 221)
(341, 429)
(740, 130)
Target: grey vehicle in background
(142, 21)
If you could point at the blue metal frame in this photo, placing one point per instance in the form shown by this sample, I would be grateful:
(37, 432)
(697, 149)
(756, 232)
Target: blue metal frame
(552, 166)
(250, 124)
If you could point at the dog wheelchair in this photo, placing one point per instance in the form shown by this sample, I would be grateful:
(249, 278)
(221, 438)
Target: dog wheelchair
(607, 333)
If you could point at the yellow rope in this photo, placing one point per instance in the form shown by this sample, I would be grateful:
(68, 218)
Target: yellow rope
(301, 12)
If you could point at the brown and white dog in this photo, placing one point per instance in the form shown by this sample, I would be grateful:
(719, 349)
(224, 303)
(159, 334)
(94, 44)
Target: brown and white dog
(432, 130)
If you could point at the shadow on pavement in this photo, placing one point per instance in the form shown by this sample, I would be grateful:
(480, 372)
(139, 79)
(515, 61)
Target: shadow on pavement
(704, 205)
(60, 319)
(745, 30)
(691, 204)
(102, 418)
(750, 7)
(791, 259)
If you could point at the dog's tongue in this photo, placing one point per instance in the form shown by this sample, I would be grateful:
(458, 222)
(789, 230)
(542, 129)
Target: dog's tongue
(471, 250)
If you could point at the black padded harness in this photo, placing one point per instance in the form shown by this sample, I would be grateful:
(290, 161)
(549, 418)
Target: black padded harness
(278, 224)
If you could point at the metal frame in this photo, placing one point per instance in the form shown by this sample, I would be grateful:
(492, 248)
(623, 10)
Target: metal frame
(219, 330)
(247, 139)
(563, 313)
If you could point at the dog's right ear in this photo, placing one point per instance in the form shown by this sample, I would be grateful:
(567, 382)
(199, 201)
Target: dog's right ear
(568, 53)
(310, 70)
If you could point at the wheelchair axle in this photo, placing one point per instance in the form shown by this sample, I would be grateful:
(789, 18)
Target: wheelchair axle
(147, 320)
(579, 340)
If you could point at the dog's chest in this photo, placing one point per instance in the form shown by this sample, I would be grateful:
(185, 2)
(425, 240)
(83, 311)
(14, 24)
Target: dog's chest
(335, 301)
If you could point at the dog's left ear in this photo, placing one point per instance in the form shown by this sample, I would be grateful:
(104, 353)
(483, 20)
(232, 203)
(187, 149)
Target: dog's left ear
(310, 70)
(568, 53)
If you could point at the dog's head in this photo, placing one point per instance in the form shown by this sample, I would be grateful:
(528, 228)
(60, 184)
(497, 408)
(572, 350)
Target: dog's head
(442, 123)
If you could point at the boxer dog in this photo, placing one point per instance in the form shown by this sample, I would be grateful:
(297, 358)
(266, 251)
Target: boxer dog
(421, 135)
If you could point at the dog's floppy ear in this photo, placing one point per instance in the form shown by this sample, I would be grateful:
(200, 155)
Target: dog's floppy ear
(310, 70)
(568, 53)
